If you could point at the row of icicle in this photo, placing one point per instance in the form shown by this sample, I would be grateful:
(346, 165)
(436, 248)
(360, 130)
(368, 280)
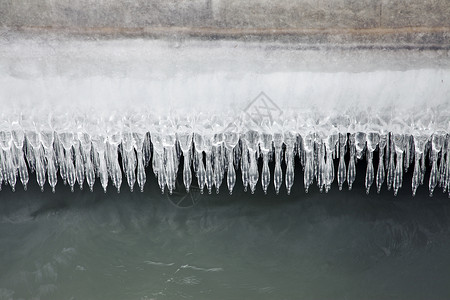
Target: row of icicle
(78, 157)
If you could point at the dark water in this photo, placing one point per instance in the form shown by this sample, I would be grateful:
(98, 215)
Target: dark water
(340, 245)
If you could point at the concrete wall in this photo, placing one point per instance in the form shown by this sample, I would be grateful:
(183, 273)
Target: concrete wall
(258, 14)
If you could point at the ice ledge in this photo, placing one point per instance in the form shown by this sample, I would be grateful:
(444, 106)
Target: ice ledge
(98, 110)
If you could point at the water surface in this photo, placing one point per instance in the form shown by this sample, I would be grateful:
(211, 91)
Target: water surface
(340, 245)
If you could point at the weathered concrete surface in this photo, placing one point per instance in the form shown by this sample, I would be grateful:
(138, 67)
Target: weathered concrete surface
(404, 13)
(111, 13)
(383, 23)
(226, 13)
(298, 13)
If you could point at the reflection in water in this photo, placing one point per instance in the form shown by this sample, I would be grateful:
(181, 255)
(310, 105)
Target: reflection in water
(341, 245)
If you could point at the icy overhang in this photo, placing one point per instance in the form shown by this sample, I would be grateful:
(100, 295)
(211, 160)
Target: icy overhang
(71, 105)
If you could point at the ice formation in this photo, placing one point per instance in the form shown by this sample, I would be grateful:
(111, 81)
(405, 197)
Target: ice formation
(82, 112)
(209, 150)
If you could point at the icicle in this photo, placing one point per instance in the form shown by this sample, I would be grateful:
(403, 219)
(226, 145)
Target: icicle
(442, 165)
(218, 169)
(420, 142)
(308, 146)
(90, 172)
(29, 156)
(8, 168)
(85, 149)
(278, 173)
(185, 141)
(289, 157)
(360, 144)
(223, 161)
(131, 164)
(71, 173)
(79, 164)
(381, 170)
(99, 148)
(139, 148)
(201, 174)
(171, 173)
(436, 146)
(130, 157)
(351, 173)
(165, 158)
(51, 169)
(203, 144)
(126, 149)
(289, 140)
(321, 165)
(266, 148)
(391, 167)
(447, 168)
(59, 157)
(161, 171)
(4, 166)
(253, 174)
(199, 167)
(47, 138)
(373, 139)
(209, 171)
(187, 175)
(231, 140)
(342, 172)
(34, 157)
(63, 145)
(370, 174)
(329, 167)
(11, 169)
(217, 165)
(23, 171)
(399, 144)
(252, 143)
(231, 173)
(113, 141)
(67, 168)
(18, 138)
(423, 160)
(387, 155)
(147, 150)
(40, 167)
(407, 159)
(316, 150)
(301, 152)
(416, 174)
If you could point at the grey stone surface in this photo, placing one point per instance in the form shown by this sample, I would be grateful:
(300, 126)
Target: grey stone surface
(419, 24)
(257, 14)
(112, 13)
(298, 13)
(404, 13)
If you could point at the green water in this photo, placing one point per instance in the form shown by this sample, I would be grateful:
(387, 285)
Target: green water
(341, 245)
